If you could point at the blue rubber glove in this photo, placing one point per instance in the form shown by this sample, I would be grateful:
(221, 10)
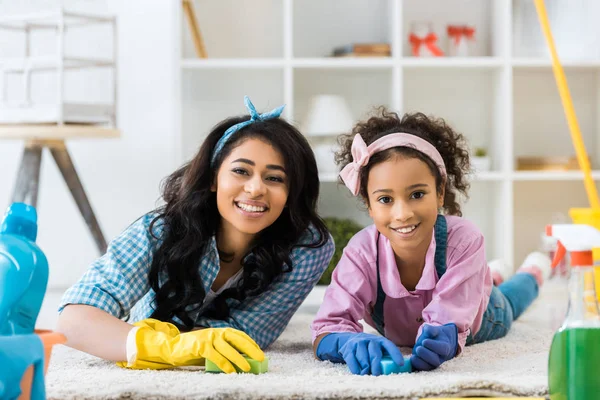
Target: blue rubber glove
(362, 352)
(435, 345)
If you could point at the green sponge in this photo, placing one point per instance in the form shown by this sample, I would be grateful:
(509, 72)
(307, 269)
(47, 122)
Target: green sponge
(256, 367)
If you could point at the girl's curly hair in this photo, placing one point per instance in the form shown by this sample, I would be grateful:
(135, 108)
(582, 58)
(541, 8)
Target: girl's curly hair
(451, 145)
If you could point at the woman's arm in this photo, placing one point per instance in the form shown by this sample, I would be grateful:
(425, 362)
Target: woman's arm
(94, 331)
(90, 310)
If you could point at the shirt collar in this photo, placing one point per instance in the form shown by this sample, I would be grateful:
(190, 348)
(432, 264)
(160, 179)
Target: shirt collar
(213, 251)
(212, 245)
(390, 277)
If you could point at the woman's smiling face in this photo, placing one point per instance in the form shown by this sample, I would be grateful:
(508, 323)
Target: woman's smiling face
(252, 186)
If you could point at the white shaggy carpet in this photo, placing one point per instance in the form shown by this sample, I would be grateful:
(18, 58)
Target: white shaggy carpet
(513, 366)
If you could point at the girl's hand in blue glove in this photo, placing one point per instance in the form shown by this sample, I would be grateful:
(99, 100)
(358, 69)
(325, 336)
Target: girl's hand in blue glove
(436, 345)
(362, 352)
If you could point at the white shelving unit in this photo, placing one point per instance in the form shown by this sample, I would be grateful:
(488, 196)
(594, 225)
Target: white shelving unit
(276, 51)
(38, 81)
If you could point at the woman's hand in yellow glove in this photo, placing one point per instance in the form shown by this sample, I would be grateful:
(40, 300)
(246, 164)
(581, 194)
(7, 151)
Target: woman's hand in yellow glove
(222, 346)
(160, 345)
(148, 330)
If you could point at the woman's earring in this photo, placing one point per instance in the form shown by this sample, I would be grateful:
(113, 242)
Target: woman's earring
(440, 210)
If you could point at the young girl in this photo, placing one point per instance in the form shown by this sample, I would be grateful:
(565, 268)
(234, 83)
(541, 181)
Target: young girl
(234, 251)
(419, 274)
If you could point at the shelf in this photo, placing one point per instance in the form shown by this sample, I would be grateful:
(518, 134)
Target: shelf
(380, 62)
(537, 204)
(234, 29)
(546, 63)
(488, 18)
(551, 175)
(279, 52)
(488, 176)
(231, 63)
(51, 19)
(453, 62)
(343, 62)
(485, 207)
(57, 132)
(325, 62)
(318, 27)
(47, 63)
(539, 124)
(77, 113)
(467, 99)
(491, 176)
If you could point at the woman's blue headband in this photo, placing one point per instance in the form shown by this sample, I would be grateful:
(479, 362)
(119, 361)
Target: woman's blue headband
(254, 116)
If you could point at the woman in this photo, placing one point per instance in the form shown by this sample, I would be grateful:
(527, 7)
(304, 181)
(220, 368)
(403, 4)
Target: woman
(234, 251)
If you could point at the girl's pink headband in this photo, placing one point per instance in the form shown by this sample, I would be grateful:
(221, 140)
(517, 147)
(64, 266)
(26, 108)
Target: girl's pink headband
(361, 154)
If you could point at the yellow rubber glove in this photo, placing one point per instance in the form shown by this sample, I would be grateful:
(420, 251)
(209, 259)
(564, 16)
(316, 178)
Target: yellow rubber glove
(159, 326)
(160, 345)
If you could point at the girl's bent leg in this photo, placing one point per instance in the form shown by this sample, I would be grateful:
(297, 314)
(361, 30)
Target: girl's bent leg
(520, 291)
(507, 303)
(497, 319)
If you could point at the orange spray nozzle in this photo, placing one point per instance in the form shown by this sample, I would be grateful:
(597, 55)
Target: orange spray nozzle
(560, 253)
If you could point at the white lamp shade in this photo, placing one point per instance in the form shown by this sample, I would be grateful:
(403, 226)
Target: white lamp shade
(327, 115)
(325, 157)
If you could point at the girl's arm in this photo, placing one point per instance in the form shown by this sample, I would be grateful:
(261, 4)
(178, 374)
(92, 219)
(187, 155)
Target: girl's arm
(90, 310)
(347, 298)
(460, 293)
(94, 331)
(317, 341)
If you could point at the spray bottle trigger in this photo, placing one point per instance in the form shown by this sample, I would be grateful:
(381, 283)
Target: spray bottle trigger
(560, 253)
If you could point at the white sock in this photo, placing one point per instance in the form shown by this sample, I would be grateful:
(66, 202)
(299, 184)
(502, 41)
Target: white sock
(501, 271)
(537, 264)
(540, 260)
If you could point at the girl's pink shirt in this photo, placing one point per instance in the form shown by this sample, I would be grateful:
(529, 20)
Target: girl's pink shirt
(460, 297)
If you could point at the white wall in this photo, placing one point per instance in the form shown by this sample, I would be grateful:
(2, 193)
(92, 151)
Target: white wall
(121, 176)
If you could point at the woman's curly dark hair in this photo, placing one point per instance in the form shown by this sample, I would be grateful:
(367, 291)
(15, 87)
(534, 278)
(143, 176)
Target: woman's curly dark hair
(190, 219)
(451, 145)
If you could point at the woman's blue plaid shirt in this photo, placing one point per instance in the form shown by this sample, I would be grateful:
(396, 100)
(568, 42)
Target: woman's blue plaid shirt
(118, 283)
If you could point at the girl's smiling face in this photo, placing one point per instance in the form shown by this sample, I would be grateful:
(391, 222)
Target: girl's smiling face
(251, 186)
(404, 202)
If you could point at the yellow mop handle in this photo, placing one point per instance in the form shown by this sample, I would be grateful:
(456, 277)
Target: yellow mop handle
(565, 96)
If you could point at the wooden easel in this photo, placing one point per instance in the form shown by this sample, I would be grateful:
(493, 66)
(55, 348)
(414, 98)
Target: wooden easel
(188, 8)
(53, 137)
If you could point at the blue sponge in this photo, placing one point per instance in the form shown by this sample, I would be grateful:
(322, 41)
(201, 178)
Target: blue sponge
(390, 367)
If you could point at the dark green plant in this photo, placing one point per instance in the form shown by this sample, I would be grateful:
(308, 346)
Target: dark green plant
(342, 231)
(480, 152)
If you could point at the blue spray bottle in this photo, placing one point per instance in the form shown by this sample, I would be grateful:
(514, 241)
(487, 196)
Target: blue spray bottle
(23, 271)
